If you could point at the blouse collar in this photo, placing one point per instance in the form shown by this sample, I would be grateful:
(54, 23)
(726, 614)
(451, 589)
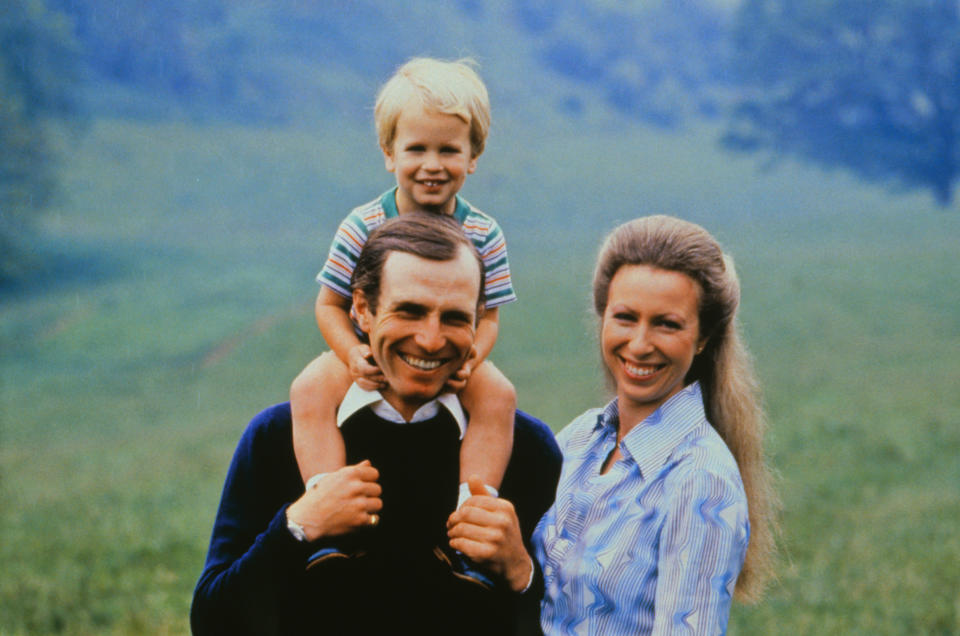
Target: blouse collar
(651, 442)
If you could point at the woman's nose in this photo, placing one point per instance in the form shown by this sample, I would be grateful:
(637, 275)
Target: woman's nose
(640, 341)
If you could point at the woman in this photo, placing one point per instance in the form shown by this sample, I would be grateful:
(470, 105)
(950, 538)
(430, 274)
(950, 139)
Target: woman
(665, 507)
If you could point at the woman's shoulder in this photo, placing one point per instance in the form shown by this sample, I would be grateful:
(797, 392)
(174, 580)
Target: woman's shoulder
(704, 457)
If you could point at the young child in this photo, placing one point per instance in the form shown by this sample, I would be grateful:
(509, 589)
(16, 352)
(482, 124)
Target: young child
(432, 119)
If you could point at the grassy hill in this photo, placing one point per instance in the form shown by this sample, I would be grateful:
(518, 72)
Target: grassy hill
(177, 303)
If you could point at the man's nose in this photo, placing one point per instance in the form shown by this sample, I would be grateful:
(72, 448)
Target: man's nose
(429, 336)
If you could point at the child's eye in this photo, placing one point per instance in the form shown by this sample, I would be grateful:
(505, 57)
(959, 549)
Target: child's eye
(415, 148)
(623, 316)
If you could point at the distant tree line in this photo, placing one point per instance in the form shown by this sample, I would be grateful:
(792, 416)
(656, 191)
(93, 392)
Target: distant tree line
(660, 63)
(37, 82)
(869, 85)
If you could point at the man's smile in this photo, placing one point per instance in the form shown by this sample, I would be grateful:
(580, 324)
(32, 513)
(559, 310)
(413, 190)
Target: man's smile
(420, 363)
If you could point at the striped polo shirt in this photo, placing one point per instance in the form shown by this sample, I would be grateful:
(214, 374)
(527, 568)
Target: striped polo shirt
(481, 229)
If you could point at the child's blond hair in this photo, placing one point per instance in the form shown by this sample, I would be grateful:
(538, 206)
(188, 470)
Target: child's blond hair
(451, 88)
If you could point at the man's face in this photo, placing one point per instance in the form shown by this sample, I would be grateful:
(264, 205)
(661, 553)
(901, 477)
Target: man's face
(425, 324)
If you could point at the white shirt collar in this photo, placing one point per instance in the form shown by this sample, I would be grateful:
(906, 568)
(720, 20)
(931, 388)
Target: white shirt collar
(357, 398)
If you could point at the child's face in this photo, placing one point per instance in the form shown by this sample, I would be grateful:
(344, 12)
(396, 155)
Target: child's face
(431, 157)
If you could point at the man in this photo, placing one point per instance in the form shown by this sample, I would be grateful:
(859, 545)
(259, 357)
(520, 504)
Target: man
(417, 295)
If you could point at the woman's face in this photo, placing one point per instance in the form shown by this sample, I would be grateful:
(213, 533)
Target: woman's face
(649, 335)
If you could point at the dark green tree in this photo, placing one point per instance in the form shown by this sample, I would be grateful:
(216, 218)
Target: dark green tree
(658, 62)
(869, 85)
(36, 84)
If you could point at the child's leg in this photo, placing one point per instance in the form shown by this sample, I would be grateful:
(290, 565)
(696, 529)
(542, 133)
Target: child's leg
(315, 396)
(490, 401)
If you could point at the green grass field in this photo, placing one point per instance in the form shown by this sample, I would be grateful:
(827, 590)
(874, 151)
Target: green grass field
(176, 298)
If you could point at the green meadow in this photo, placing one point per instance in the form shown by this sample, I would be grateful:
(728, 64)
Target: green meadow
(173, 300)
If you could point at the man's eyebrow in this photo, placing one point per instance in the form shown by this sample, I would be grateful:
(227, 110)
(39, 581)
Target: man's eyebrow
(408, 306)
(458, 314)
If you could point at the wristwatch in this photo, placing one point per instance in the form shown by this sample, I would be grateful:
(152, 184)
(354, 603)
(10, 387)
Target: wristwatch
(296, 530)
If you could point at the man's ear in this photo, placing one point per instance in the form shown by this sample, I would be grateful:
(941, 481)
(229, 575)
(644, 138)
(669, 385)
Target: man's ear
(362, 309)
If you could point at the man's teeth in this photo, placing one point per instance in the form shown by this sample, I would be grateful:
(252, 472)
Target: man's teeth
(420, 363)
(633, 369)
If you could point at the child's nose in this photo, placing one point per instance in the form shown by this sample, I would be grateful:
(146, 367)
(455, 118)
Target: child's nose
(432, 162)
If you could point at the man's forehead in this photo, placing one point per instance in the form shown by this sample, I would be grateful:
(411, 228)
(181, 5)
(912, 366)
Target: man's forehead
(455, 277)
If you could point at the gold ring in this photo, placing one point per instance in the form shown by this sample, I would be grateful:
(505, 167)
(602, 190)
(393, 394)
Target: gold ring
(374, 520)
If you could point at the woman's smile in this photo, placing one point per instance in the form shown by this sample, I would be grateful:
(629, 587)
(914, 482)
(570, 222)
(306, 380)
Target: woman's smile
(638, 370)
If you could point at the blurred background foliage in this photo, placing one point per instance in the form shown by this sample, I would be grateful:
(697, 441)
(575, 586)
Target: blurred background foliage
(171, 174)
(871, 86)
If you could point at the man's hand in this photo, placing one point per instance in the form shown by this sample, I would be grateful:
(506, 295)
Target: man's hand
(458, 380)
(364, 370)
(486, 530)
(340, 502)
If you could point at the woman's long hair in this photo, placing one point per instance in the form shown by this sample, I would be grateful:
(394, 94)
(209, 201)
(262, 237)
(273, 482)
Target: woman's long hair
(724, 367)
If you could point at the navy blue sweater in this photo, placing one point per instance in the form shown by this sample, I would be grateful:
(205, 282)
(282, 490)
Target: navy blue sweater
(254, 580)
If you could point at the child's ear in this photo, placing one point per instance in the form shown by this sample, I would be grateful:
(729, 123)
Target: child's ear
(388, 159)
(362, 309)
(473, 164)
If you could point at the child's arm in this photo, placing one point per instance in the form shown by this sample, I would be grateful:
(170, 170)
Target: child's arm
(314, 397)
(491, 402)
(487, 328)
(333, 317)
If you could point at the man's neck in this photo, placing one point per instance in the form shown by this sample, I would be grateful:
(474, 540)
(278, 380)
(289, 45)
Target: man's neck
(356, 399)
(404, 408)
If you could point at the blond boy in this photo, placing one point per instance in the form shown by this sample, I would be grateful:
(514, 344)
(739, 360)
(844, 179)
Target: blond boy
(432, 119)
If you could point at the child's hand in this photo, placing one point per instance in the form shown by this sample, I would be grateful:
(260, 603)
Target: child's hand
(458, 380)
(486, 529)
(364, 370)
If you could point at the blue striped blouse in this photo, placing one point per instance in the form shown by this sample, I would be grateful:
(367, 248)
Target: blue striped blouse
(654, 546)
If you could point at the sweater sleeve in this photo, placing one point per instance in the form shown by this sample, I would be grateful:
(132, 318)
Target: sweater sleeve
(252, 557)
